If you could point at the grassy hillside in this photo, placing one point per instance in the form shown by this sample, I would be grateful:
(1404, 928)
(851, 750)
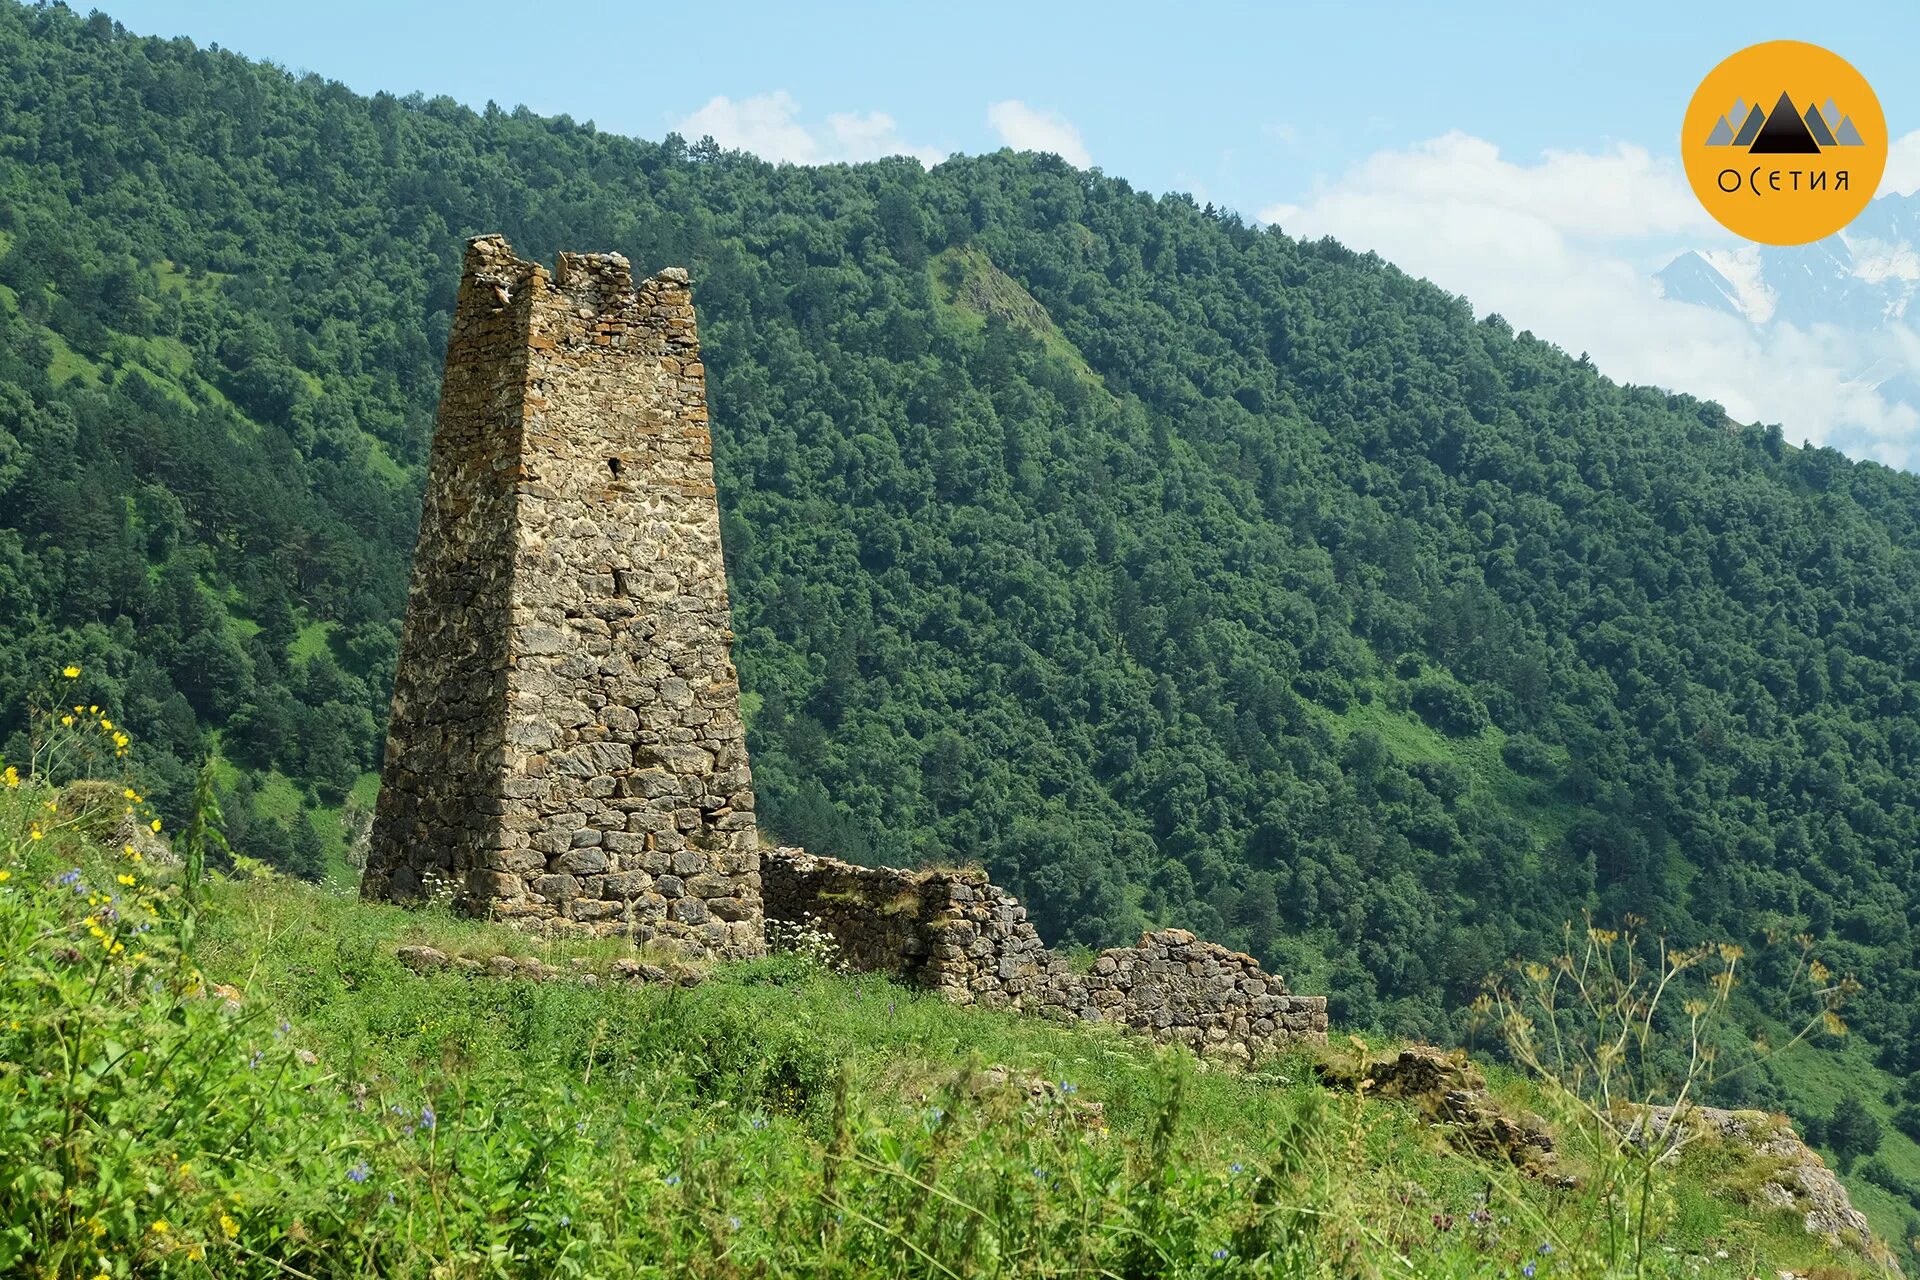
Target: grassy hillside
(1176, 570)
(259, 1088)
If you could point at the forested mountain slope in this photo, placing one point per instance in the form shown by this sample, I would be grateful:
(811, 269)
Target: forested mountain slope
(1179, 571)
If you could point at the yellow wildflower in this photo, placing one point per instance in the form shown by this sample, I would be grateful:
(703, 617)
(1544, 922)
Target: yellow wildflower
(94, 710)
(155, 824)
(66, 720)
(11, 777)
(105, 723)
(160, 1227)
(129, 881)
(5, 876)
(128, 793)
(71, 673)
(196, 1253)
(228, 1225)
(36, 834)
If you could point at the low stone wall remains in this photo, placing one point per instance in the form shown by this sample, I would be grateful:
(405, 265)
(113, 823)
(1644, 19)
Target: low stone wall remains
(955, 933)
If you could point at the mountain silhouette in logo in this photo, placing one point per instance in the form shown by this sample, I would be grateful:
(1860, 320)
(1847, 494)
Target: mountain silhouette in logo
(1817, 126)
(1784, 133)
(1785, 130)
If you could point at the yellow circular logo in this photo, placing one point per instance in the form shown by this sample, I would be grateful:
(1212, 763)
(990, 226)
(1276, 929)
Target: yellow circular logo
(1784, 142)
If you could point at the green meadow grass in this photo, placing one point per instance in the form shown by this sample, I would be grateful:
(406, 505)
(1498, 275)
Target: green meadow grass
(260, 1088)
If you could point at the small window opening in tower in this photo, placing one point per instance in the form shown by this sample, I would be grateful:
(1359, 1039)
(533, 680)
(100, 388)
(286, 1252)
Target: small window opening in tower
(613, 465)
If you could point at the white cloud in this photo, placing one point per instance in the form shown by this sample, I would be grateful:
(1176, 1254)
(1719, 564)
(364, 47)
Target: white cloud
(1566, 247)
(769, 126)
(1026, 128)
(1618, 194)
(1903, 166)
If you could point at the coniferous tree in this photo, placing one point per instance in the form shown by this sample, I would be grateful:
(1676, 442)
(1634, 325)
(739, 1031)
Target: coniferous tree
(1852, 1132)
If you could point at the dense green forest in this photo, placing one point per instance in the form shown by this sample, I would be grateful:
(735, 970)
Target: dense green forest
(1177, 570)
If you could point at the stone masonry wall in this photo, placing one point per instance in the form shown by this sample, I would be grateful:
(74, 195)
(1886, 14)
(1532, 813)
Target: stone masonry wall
(439, 780)
(566, 743)
(955, 933)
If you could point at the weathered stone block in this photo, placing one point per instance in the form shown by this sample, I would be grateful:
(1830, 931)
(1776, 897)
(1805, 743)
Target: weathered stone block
(496, 884)
(582, 862)
(689, 911)
(557, 886)
(625, 884)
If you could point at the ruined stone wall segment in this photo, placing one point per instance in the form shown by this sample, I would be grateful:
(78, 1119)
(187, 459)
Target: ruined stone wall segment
(619, 792)
(970, 941)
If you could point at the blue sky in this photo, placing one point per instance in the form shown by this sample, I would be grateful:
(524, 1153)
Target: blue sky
(1523, 155)
(1242, 104)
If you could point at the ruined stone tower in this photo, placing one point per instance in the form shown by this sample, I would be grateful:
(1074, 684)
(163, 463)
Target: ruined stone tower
(566, 744)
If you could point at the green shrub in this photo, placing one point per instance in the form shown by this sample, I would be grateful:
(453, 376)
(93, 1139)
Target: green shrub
(1448, 706)
(1524, 753)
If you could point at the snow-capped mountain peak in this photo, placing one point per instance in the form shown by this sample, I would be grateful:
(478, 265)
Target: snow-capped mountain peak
(1859, 280)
